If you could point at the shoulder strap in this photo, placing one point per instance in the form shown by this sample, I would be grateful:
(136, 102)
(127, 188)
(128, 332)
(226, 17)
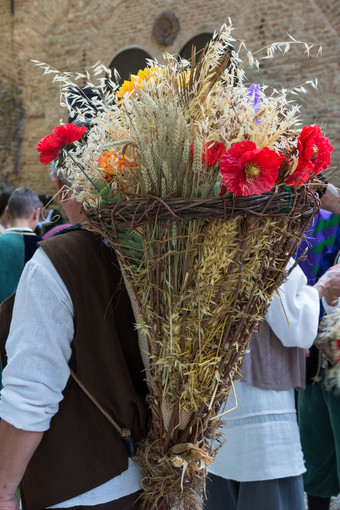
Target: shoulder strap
(6, 310)
(124, 433)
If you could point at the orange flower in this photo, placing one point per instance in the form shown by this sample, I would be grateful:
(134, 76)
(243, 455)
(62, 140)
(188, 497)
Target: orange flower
(114, 164)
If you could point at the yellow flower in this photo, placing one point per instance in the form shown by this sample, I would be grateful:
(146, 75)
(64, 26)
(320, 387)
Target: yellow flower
(127, 87)
(137, 81)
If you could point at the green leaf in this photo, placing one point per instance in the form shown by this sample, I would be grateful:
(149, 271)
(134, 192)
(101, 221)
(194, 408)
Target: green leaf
(131, 243)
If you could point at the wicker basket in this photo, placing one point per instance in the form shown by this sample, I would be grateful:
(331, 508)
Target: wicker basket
(189, 336)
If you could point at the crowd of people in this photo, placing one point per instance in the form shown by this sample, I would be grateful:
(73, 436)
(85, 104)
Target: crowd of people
(60, 291)
(25, 219)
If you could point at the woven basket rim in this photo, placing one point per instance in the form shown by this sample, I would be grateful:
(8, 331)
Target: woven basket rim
(142, 209)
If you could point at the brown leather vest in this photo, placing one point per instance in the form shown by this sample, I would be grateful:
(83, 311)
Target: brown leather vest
(82, 450)
(272, 366)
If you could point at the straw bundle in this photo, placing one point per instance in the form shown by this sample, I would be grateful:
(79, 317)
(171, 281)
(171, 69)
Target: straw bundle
(204, 187)
(200, 287)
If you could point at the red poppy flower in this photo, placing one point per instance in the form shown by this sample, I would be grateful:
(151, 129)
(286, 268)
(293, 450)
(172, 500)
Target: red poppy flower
(301, 174)
(314, 148)
(248, 170)
(51, 145)
(211, 153)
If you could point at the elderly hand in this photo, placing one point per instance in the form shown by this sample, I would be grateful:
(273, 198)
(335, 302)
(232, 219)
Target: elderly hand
(328, 285)
(8, 503)
(331, 199)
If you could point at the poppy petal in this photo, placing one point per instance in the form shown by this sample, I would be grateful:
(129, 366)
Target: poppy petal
(48, 143)
(68, 133)
(49, 155)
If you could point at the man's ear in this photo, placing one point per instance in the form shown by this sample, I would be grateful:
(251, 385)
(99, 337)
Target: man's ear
(7, 215)
(60, 189)
(58, 183)
(36, 214)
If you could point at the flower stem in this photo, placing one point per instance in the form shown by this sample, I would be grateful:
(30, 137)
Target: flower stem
(81, 168)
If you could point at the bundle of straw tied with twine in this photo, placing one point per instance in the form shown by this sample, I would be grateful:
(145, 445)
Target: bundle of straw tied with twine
(204, 186)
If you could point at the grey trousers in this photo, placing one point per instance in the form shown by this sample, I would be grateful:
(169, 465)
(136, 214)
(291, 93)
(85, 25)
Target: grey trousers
(278, 494)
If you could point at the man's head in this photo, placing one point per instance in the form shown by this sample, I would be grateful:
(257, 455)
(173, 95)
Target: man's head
(46, 200)
(23, 208)
(4, 197)
(72, 208)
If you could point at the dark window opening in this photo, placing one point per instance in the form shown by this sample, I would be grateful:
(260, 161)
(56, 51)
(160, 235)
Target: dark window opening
(129, 62)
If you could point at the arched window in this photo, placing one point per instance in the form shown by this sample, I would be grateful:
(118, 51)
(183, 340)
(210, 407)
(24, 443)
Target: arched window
(129, 61)
(199, 41)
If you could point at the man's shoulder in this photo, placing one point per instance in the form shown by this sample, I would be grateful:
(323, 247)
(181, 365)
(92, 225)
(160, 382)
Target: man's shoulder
(71, 241)
(67, 235)
(11, 235)
(9, 238)
(81, 258)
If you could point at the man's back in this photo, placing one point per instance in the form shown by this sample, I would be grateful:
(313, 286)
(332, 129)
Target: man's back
(91, 329)
(16, 248)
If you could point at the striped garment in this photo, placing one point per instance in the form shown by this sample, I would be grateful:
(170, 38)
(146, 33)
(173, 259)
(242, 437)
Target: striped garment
(319, 239)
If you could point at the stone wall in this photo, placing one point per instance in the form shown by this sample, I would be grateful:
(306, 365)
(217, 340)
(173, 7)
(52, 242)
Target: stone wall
(75, 34)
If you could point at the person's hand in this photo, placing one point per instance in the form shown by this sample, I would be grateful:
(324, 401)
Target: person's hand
(8, 502)
(330, 201)
(328, 285)
(332, 300)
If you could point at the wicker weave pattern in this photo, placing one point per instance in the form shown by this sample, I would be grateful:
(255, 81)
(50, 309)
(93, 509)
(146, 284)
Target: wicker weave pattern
(139, 211)
(259, 234)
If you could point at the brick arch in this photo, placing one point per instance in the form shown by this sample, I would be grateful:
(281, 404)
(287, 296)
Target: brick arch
(199, 41)
(129, 60)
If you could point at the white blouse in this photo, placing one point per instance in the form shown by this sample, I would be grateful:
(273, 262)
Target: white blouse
(262, 440)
